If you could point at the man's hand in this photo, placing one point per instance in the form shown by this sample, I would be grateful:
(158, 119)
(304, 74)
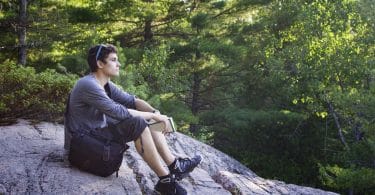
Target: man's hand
(163, 118)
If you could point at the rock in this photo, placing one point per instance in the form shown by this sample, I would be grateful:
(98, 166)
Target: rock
(2, 189)
(32, 160)
(243, 184)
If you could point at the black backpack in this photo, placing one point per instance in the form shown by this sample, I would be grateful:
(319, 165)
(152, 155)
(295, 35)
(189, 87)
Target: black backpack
(92, 152)
(96, 154)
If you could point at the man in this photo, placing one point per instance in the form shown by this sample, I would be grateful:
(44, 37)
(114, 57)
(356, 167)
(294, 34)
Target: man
(96, 103)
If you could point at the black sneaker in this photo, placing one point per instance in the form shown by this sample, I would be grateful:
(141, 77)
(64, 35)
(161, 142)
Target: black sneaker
(184, 166)
(169, 186)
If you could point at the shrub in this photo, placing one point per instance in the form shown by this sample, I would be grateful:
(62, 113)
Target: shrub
(361, 180)
(27, 94)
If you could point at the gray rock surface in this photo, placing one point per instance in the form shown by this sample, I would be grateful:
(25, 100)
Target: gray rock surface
(32, 160)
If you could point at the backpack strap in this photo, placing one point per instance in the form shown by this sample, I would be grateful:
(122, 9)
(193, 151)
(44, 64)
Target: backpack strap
(66, 115)
(67, 130)
(67, 106)
(108, 90)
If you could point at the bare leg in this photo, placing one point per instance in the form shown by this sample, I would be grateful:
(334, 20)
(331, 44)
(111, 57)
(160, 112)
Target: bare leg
(162, 147)
(150, 154)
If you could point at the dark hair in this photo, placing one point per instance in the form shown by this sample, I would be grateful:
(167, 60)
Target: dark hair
(99, 52)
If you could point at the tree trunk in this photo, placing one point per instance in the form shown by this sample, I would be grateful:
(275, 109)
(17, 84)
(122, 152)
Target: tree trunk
(148, 31)
(340, 131)
(195, 93)
(22, 32)
(195, 99)
(148, 28)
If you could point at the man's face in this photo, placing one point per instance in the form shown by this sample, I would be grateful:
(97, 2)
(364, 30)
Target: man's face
(111, 65)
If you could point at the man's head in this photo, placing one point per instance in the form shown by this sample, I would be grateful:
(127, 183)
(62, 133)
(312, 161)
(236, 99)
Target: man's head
(99, 54)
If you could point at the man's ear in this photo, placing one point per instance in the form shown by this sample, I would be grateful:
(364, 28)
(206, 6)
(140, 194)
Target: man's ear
(100, 64)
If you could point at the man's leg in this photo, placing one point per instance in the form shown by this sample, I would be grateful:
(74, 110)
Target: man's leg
(135, 129)
(162, 147)
(180, 167)
(150, 154)
(146, 148)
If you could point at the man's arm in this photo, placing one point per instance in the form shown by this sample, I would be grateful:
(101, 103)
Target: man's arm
(146, 111)
(142, 105)
(145, 115)
(92, 94)
(154, 116)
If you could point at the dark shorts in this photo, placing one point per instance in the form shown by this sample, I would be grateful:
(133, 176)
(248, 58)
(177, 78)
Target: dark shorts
(127, 130)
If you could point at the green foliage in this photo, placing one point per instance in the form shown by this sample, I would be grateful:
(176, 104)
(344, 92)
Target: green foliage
(83, 15)
(27, 94)
(153, 68)
(199, 21)
(219, 4)
(180, 112)
(361, 180)
(320, 54)
(271, 142)
(74, 64)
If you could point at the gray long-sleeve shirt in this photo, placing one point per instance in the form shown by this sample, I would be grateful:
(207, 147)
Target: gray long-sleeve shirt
(90, 106)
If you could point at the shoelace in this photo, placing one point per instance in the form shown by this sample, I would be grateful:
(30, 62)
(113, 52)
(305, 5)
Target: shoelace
(170, 179)
(166, 180)
(184, 162)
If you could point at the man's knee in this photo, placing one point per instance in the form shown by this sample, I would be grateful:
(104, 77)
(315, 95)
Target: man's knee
(140, 126)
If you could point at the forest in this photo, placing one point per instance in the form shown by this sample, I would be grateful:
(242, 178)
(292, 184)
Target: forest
(286, 87)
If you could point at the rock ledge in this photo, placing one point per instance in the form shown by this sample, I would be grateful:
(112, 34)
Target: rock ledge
(32, 161)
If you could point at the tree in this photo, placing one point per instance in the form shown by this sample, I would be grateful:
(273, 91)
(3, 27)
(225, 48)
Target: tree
(22, 31)
(316, 63)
